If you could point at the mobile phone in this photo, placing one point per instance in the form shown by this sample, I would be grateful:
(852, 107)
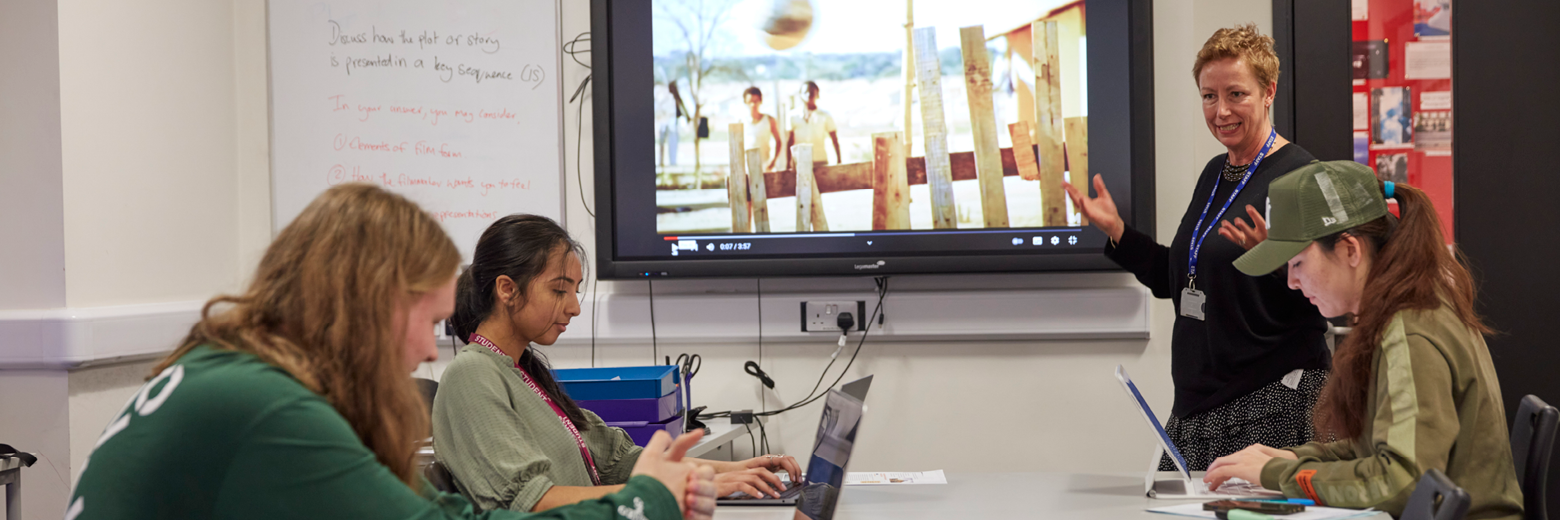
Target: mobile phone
(1271, 508)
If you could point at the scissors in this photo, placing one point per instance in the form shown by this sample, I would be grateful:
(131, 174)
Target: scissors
(689, 365)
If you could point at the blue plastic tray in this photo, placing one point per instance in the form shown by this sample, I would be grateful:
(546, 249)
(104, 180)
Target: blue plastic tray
(593, 384)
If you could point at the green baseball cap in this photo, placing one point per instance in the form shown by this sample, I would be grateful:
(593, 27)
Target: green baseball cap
(1314, 201)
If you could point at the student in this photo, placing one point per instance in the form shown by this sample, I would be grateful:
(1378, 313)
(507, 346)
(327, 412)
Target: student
(760, 129)
(1413, 387)
(292, 400)
(810, 125)
(503, 426)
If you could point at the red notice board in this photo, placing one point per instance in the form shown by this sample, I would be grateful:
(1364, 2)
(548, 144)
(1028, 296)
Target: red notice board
(1402, 62)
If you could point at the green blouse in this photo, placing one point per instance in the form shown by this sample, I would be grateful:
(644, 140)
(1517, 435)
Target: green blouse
(504, 444)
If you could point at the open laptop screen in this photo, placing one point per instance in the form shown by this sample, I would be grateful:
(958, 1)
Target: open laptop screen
(831, 454)
(1164, 438)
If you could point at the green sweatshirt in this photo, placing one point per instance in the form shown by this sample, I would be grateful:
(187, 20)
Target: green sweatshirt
(221, 434)
(1437, 405)
(505, 445)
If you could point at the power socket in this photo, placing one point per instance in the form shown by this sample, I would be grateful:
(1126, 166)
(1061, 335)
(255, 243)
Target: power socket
(823, 316)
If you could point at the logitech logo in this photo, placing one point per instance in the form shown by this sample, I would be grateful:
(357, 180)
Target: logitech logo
(870, 266)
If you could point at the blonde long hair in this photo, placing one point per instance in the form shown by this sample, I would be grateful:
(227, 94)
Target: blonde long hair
(323, 304)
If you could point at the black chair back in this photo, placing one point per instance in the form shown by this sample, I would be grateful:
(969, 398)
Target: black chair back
(1532, 443)
(428, 388)
(1436, 498)
(444, 481)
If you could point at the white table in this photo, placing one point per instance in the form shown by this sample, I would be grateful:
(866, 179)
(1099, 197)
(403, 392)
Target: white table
(11, 478)
(718, 441)
(991, 495)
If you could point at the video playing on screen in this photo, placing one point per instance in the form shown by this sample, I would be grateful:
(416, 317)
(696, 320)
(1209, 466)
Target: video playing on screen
(979, 134)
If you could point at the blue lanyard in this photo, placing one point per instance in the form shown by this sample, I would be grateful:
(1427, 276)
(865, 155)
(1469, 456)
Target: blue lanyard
(1200, 235)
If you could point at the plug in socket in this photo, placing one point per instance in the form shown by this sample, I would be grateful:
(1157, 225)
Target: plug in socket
(823, 316)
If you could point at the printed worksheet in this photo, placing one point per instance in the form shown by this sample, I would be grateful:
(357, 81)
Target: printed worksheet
(895, 478)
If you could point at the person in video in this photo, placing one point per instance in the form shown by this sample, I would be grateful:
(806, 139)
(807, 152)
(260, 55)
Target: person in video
(1413, 386)
(292, 400)
(760, 129)
(505, 428)
(1248, 355)
(811, 125)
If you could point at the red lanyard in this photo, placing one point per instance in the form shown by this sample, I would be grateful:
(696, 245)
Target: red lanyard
(590, 462)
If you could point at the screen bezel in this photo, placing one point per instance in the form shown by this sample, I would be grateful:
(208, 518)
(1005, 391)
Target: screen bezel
(615, 101)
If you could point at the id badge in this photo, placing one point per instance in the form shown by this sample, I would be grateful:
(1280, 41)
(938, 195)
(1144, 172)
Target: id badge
(1192, 303)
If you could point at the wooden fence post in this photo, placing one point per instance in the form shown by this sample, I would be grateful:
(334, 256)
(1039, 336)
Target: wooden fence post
(756, 188)
(939, 171)
(1048, 116)
(983, 123)
(804, 187)
(1078, 157)
(1024, 151)
(737, 183)
(820, 222)
(890, 184)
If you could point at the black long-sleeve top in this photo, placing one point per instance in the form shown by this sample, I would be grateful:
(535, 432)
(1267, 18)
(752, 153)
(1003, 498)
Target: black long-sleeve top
(1256, 329)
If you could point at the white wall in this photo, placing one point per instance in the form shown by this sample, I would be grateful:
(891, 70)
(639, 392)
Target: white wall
(167, 198)
(32, 245)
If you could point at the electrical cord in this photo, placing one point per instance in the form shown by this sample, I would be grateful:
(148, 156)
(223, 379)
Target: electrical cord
(882, 284)
(655, 347)
(572, 49)
(882, 291)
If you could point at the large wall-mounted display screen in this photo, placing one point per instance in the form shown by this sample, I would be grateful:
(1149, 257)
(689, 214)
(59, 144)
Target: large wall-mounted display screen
(805, 137)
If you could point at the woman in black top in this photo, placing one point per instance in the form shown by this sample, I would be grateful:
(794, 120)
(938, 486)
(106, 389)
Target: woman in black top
(1248, 355)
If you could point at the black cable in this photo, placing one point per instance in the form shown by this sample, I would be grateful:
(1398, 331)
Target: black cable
(751, 444)
(882, 284)
(572, 49)
(812, 396)
(595, 297)
(655, 348)
(763, 400)
(763, 435)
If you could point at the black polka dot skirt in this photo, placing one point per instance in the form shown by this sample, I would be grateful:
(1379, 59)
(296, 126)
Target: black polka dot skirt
(1274, 415)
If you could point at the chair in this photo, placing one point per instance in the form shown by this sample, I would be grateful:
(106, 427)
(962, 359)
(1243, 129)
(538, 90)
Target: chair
(1532, 442)
(1436, 498)
(444, 481)
(428, 388)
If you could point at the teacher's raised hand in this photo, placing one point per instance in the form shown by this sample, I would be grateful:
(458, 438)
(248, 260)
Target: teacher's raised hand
(1247, 235)
(1100, 210)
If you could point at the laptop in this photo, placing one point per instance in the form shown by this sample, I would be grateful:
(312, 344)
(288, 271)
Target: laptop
(816, 496)
(1180, 483)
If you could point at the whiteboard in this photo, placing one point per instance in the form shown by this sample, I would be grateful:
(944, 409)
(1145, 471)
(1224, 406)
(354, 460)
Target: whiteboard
(454, 104)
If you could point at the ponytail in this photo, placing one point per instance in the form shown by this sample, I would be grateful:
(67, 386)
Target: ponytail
(1411, 269)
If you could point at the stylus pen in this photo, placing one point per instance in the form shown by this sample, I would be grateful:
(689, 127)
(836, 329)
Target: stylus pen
(1301, 501)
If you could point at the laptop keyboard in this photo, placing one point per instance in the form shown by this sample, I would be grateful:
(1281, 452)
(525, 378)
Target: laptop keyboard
(790, 492)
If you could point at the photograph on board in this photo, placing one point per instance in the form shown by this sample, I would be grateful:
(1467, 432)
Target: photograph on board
(1391, 117)
(740, 83)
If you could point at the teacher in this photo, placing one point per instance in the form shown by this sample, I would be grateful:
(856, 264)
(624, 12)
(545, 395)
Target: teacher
(1247, 355)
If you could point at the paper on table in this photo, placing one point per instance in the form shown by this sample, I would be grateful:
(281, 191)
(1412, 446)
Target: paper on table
(888, 478)
(1311, 512)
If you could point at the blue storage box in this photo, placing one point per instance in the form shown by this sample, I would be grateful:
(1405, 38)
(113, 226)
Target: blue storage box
(595, 384)
(642, 431)
(622, 410)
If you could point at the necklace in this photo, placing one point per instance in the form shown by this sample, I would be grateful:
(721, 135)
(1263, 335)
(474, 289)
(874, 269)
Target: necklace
(1233, 173)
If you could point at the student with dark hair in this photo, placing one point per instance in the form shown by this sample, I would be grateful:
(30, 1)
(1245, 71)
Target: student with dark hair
(760, 129)
(810, 125)
(292, 399)
(502, 424)
(1413, 387)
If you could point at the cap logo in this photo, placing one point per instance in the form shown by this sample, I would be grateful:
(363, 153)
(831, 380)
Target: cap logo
(1328, 221)
(1324, 183)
